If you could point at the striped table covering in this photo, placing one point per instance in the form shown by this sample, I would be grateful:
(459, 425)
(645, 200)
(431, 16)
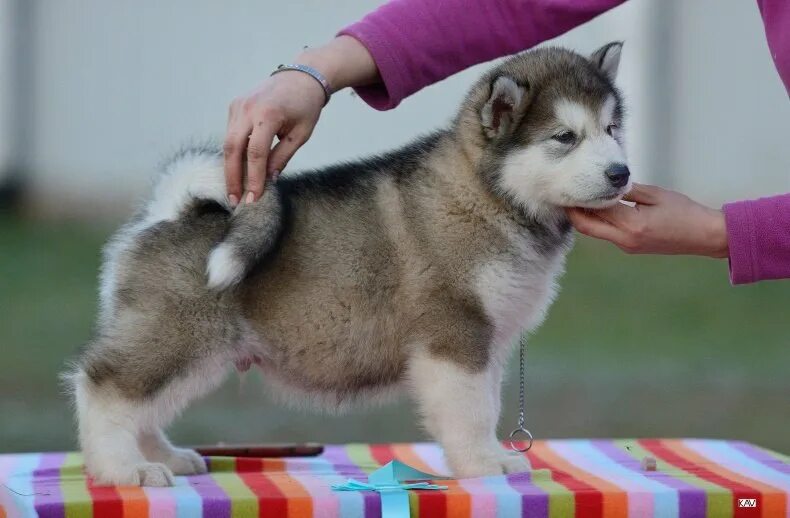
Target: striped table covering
(590, 478)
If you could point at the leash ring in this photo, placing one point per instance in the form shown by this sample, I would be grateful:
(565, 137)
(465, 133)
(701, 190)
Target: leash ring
(514, 433)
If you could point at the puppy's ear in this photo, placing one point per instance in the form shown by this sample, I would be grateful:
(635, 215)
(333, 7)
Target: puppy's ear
(504, 107)
(607, 58)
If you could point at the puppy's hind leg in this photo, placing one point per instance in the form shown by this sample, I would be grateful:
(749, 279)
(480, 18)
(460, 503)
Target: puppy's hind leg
(109, 425)
(122, 405)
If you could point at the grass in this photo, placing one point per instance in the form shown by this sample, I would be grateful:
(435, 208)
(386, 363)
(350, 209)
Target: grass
(634, 346)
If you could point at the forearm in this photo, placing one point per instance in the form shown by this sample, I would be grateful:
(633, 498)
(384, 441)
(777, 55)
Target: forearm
(758, 232)
(418, 42)
(344, 61)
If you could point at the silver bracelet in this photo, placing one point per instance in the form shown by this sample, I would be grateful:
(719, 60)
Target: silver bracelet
(315, 74)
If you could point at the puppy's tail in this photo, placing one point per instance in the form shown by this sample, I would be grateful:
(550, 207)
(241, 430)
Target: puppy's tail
(195, 176)
(254, 231)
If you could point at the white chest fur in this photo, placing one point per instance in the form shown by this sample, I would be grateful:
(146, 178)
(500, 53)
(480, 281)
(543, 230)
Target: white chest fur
(517, 289)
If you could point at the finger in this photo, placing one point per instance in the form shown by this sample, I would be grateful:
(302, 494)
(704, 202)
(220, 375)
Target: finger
(233, 151)
(619, 215)
(258, 149)
(589, 224)
(644, 194)
(285, 150)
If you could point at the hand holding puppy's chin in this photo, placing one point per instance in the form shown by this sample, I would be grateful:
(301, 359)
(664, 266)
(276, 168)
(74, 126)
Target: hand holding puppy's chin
(596, 203)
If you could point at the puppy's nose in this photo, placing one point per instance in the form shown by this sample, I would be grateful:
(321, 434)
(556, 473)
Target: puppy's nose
(618, 174)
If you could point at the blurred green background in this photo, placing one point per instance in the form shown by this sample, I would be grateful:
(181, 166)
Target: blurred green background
(635, 346)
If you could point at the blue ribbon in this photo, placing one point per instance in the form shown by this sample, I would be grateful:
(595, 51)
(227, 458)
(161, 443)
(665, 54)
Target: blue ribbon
(389, 482)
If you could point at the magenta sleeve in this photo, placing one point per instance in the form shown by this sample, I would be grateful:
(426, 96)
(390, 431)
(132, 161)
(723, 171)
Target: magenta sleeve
(416, 43)
(758, 233)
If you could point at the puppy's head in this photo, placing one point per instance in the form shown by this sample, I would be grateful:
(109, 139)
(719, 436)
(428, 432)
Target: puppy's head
(549, 123)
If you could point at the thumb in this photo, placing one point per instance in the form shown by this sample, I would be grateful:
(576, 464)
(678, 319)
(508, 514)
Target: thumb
(644, 194)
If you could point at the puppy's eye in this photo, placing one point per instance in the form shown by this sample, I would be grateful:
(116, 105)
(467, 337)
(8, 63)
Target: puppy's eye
(566, 137)
(610, 128)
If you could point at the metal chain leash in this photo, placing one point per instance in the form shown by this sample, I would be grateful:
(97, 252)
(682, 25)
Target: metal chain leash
(521, 416)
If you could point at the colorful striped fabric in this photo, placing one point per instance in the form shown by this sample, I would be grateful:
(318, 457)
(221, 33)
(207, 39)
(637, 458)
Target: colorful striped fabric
(595, 478)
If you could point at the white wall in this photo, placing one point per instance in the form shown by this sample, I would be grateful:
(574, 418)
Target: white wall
(731, 115)
(6, 69)
(120, 84)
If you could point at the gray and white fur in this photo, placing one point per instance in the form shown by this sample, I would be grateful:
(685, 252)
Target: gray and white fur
(415, 269)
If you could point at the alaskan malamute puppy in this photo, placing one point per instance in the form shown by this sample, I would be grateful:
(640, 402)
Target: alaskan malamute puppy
(415, 269)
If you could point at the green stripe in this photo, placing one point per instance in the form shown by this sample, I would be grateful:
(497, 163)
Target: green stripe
(718, 498)
(243, 501)
(414, 504)
(562, 502)
(76, 498)
(360, 454)
(223, 464)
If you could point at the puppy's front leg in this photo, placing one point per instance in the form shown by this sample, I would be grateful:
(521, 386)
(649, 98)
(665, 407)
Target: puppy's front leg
(461, 408)
(181, 461)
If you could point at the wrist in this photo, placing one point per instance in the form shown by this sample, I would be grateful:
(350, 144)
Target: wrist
(717, 235)
(319, 59)
(344, 62)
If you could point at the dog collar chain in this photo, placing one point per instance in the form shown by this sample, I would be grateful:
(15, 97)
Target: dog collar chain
(521, 430)
(310, 71)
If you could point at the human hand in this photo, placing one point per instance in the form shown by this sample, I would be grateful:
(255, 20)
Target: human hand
(286, 105)
(661, 222)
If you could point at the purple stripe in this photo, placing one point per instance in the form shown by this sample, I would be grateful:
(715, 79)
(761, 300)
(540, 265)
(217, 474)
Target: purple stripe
(342, 463)
(46, 486)
(216, 503)
(692, 500)
(534, 501)
(760, 456)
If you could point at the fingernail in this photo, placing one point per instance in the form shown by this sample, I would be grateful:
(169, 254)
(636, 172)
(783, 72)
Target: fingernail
(250, 197)
(234, 200)
(275, 174)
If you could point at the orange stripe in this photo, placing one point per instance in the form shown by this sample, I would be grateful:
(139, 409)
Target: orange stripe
(273, 466)
(300, 502)
(405, 453)
(459, 501)
(135, 502)
(773, 500)
(2, 512)
(615, 500)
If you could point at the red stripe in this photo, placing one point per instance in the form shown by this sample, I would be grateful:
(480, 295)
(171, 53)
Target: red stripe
(106, 500)
(587, 499)
(271, 501)
(738, 490)
(432, 503)
(382, 453)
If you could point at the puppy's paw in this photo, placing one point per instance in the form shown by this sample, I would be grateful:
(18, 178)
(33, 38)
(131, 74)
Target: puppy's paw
(513, 462)
(142, 474)
(492, 463)
(154, 474)
(183, 461)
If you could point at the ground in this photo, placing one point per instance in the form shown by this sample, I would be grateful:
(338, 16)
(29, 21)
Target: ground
(634, 346)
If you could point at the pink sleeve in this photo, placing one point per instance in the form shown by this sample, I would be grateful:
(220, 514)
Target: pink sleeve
(776, 19)
(416, 43)
(758, 232)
